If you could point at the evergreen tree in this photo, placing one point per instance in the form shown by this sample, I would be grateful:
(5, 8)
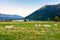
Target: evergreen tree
(56, 18)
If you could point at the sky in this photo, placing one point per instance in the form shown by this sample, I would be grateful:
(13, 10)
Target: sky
(23, 7)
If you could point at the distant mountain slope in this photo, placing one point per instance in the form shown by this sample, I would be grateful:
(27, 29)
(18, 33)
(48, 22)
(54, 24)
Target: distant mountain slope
(10, 17)
(45, 12)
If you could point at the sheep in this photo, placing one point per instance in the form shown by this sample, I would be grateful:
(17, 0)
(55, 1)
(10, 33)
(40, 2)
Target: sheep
(47, 25)
(37, 25)
(8, 27)
(55, 24)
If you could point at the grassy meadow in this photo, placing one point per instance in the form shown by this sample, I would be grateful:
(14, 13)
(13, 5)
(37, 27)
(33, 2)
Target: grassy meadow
(28, 31)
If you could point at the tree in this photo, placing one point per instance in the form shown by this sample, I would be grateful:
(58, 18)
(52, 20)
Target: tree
(48, 19)
(56, 18)
(25, 20)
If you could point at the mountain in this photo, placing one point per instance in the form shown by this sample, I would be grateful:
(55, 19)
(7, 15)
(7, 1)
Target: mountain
(10, 17)
(45, 12)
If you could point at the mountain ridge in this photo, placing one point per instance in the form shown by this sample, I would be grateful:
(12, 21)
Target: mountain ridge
(10, 17)
(45, 12)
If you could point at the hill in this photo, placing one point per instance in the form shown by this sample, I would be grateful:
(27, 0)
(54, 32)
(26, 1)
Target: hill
(10, 17)
(45, 12)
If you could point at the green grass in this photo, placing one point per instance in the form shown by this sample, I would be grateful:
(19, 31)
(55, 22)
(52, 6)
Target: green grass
(27, 31)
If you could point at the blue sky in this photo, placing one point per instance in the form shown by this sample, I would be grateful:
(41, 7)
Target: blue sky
(23, 7)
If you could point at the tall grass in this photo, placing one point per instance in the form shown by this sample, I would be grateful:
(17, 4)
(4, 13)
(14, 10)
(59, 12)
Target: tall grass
(28, 31)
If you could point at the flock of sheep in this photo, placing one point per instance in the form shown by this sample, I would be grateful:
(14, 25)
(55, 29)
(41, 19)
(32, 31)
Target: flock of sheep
(45, 25)
(36, 25)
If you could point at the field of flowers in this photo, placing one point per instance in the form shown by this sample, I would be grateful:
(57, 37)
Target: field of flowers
(30, 31)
